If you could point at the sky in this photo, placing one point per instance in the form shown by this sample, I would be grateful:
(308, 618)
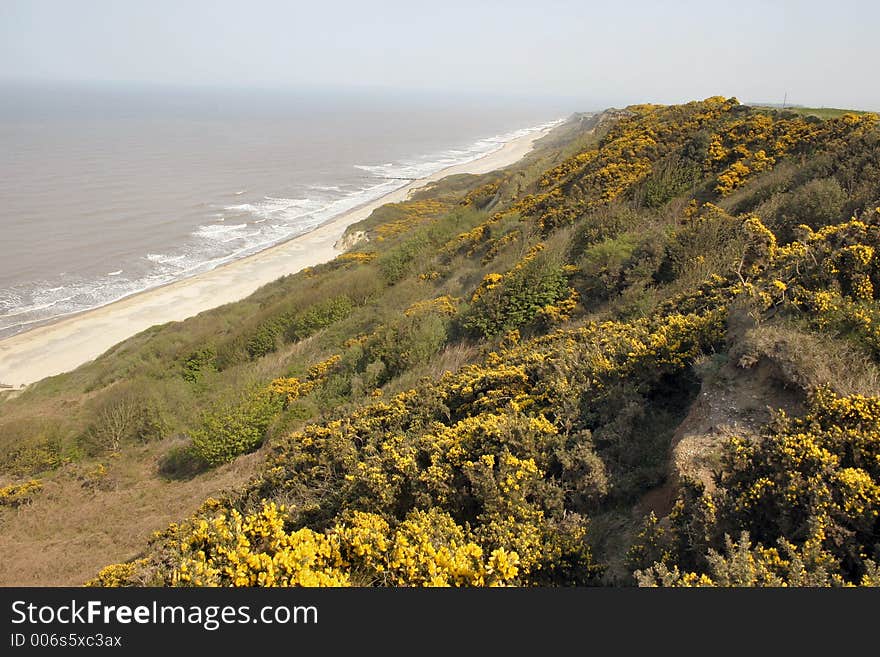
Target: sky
(599, 54)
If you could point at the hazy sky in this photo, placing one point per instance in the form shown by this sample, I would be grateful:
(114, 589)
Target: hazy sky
(600, 53)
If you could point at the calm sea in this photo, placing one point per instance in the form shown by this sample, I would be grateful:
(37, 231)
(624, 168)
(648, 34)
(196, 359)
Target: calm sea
(109, 190)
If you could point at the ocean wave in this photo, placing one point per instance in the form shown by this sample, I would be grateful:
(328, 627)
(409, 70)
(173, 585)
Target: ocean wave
(163, 259)
(430, 164)
(269, 207)
(82, 295)
(213, 231)
(9, 299)
(40, 302)
(243, 207)
(34, 307)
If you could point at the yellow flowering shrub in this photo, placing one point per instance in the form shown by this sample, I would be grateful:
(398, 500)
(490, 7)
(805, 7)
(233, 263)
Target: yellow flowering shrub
(568, 167)
(119, 574)
(732, 177)
(319, 371)
(489, 283)
(358, 257)
(228, 548)
(291, 388)
(232, 549)
(755, 143)
(471, 240)
(499, 244)
(399, 218)
(624, 158)
(444, 305)
(482, 195)
(491, 446)
(742, 564)
(19, 494)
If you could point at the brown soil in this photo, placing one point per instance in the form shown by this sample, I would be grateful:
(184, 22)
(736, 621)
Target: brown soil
(732, 401)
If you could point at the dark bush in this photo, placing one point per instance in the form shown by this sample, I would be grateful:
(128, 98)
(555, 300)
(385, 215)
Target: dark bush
(815, 204)
(517, 300)
(317, 317)
(198, 362)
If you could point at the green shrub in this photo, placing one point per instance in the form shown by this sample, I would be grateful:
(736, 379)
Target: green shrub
(33, 459)
(670, 179)
(319, 316)
(198, 362)
(604, 223)
(264, 340)
(407, 343)
(234, 430)
(296, 325)
(815, 204)
(710, 243)
(397, 262)
(517, 300)
(232, 352)
(602, 266)
(181, 462)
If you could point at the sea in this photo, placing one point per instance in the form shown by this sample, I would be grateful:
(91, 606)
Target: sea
(107, 189)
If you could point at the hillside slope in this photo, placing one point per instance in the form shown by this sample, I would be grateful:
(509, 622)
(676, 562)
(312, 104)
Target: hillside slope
(648, 354)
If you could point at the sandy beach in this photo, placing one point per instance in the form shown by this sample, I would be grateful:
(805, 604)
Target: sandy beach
(65, 345)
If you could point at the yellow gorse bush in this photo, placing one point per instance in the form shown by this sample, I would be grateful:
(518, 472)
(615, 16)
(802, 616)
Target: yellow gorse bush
(425, 549)
(19, 494)
(292, 388)
(357, 257)
(406, 216)
(444, 305)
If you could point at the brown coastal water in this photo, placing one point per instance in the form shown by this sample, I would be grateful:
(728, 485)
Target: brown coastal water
(107, 191)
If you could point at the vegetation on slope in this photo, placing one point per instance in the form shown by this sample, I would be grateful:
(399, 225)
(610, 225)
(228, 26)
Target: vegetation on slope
(506, 381)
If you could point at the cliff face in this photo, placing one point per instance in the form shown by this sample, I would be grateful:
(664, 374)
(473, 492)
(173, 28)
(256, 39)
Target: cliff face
(350, 240)
(647, 353)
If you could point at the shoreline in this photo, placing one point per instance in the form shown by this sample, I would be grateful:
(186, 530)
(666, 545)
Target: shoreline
(65, 344)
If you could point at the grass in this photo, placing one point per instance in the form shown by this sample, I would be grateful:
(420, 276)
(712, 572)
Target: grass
(82, 520)
(823, 113)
